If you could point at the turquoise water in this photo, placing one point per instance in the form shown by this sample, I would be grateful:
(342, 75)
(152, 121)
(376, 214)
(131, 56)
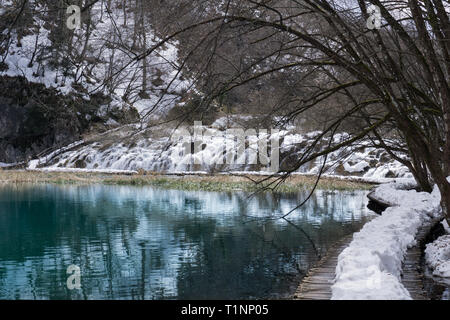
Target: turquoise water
(150, 243)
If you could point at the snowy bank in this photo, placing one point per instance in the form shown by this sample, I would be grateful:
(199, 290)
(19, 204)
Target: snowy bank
(437, 256)
(371, 266)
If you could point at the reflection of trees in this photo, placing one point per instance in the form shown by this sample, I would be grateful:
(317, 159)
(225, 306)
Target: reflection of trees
(52, 230)
(236, 266)
(142, 243)
(40, 217)
(256, 254)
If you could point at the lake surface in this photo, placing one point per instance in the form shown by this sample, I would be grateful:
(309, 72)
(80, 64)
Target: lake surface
(150, 243)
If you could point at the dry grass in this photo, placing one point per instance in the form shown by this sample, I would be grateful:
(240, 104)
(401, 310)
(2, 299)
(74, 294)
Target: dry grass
(188, 182)
(20, 176)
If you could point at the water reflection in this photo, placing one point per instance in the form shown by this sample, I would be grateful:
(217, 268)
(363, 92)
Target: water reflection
(149, 243)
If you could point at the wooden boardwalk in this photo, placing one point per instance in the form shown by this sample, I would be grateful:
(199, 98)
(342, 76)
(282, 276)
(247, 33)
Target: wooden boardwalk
(317, 283)
(412, 277)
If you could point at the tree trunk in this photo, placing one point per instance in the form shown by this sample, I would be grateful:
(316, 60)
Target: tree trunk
(421, 176)
(445, 201)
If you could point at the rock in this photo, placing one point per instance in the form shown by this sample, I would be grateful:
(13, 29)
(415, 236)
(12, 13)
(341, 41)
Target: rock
(373, 163)
(384, 158)
(390, 174)
(376, 204)
(340, 170)
(35, 119)
(80, 164)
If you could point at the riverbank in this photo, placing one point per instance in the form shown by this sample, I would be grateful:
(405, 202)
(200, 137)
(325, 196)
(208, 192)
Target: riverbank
(181, 182)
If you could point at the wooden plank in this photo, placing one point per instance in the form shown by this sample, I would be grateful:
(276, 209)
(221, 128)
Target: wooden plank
(317, 284)
(412, 277)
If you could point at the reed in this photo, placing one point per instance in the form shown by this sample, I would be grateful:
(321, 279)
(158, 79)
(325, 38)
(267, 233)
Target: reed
(187, 182)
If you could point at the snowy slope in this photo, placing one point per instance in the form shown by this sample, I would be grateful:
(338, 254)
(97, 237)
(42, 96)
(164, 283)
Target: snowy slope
(105, 66)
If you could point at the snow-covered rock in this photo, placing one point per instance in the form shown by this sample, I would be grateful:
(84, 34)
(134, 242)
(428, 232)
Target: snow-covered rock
(359, 167)
(437, 256)
(154, 150)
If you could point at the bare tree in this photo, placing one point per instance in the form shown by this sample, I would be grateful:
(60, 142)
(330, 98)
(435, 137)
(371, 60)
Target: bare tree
(394, 80)
(288, 59)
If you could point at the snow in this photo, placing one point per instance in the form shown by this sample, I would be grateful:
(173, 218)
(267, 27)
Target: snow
(370, 267)
(155, 151)
(112, 122)
(437, 253)
(446, 226)
(359, 167)
(393, 193)
(97, 60)
(33, 164)
(7, 165)
(437, 256)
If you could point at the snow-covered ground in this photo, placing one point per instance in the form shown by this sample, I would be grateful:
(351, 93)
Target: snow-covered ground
(164, 79)
(371, 266)
(437, 254)
(7, 165)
